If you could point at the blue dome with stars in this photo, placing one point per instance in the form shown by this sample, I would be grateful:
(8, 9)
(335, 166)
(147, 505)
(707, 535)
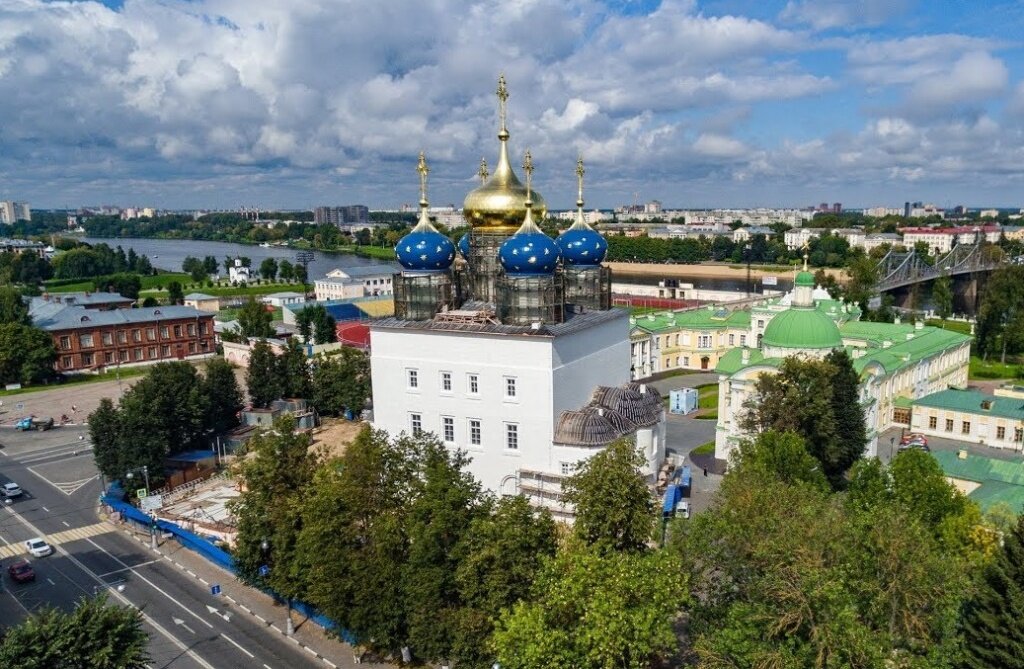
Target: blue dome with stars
(582, 246)
(529, 251)
(464, 246)
(425, 249)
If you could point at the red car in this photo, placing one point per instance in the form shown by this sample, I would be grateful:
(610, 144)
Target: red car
(21, 572)
(914, 438)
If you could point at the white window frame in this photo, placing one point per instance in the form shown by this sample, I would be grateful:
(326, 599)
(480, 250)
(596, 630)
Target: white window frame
(512, 437)
(476, 432)
(473, 384)
(448, 429)
(412, 378)
(511, 384)
(415, 423)
(446, 382)
(567, 468)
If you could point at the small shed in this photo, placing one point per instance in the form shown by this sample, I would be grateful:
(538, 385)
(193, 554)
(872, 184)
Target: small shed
(682, 400)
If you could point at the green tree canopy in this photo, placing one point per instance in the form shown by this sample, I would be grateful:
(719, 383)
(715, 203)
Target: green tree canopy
(13, 308)
(263, 377)
(340, 382)
(27, 354)
(94, 635)
(613, 506)
(254, 320)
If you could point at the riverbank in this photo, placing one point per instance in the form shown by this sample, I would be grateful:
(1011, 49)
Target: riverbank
(708, 271)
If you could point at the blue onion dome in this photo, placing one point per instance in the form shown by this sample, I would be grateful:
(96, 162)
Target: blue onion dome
(581, 245)
(464, 246)
(425, 249)
(529, 251)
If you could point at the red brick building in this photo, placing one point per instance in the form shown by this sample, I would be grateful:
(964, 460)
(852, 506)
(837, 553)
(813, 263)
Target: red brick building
(90, 340)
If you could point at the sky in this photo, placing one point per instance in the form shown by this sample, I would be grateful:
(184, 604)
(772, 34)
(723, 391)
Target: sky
(696, 103)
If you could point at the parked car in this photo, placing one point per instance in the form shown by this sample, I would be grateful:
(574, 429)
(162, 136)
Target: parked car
(33, 423)
(21, 572)
(11, 489)
(38, 547)
(918, 445)
(913, 437)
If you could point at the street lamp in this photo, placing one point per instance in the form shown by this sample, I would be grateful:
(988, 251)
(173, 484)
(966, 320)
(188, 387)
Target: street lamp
(152, 525)
(892, 443)
(289, 625)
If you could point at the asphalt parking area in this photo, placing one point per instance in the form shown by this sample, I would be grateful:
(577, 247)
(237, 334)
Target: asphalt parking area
(62, 457)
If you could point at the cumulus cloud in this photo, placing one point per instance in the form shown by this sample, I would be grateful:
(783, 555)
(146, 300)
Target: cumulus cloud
(824, 14)
(222, 102)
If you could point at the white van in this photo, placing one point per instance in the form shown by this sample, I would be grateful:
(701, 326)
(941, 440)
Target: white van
(11, 490)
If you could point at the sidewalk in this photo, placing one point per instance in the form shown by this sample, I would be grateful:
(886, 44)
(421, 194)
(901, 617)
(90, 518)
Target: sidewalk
(241, 599)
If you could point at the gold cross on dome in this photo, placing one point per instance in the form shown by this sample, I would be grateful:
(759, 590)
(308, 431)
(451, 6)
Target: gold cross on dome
(483, 173)
(502, 99)
(422, 168)
(528, 168)
(579, 178)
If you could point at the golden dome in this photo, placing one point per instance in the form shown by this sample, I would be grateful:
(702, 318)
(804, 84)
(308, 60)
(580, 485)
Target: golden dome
(499, 205)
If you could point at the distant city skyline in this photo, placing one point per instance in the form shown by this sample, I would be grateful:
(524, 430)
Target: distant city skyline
(699, 104)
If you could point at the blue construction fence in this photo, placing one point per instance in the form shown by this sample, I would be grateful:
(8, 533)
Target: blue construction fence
(207, 549)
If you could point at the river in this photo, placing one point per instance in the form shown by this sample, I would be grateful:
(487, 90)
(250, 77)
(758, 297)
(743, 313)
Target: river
(168, 254)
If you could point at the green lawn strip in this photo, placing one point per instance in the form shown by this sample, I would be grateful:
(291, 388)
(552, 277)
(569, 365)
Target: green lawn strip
(704, 449)
(148, 283)
(955, 326)
(78, 380)
(231, 291)
(707, 396)
(711, 415)
(993, 369)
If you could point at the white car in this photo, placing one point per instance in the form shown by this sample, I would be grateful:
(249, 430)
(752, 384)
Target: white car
(11, 490)
(38, 548)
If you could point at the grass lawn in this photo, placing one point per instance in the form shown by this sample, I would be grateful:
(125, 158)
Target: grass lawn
(80, 379)
(707, 396)
(711, 415)
(386, 253)
(232, 314)
(955, 326)
(148, 283)
(704, 449)
(229, 290)
(993, 369)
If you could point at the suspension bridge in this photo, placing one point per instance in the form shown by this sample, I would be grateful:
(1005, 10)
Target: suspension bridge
(896, 270)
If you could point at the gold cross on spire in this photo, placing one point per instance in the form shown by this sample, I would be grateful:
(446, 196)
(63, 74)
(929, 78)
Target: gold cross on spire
(807, 248)
(503, 97)
(528, 168)
(422, 168)
(579, 178)
(483, 173)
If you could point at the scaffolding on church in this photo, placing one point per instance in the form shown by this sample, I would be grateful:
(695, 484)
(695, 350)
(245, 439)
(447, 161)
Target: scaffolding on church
(484, 266)
(418, 296)
(587, 289)
(524, 300)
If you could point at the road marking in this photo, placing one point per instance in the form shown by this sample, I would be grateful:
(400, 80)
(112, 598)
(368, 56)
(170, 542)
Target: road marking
(117, 571)
(69, 488)
(232, 642)
(55, 455)
(118, 596)
(69, 535)
(46, 510)
(216, 612)
(66, 523)
(181, 623)
(151, 584)
(50, 582)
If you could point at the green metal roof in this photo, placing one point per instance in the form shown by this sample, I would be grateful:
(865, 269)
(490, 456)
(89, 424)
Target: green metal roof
(902, 402)
(923, 343)
(1001, 480)
(695, 319)
(805, 279)
(732, 362)
(970, 401)
(798, 328)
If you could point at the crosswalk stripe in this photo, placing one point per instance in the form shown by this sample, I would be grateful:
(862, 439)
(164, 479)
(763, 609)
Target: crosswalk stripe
(67, 536)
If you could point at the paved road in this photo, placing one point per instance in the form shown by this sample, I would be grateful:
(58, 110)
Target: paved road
(55, 469)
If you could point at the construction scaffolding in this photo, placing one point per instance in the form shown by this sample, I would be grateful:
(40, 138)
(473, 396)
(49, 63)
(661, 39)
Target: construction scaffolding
(484, 266)
(587, 289)
(524, 300)
(420, 295)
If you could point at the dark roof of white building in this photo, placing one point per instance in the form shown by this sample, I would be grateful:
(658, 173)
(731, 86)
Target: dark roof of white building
(575, 323)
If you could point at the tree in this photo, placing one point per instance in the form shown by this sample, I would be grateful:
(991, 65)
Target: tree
(254, 320)
(95, 635)
(993, 634)
(263, 377)
(268, 269)
(210, 265)
(194, 267)
(300, 273)
(269, 513)
(293, 370)
(862, 276)
(125, 284)
(175, 295)
(286, 271)
(317, 325)
(1001, 314)
(222, 397)
(340, 382)
(105, 434)
(12, 307)
(816, 399)
(942, 296)
(500, 556)
(27, 354)
(595, 609)
(610, 496)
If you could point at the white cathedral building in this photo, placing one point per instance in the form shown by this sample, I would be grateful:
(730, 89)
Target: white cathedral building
(507, 347)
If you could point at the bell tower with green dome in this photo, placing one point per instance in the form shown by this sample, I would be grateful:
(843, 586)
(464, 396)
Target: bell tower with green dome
(803, 329)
